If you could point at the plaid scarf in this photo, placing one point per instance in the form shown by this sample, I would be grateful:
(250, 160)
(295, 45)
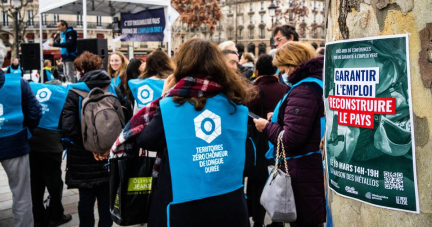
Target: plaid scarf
(200, 86)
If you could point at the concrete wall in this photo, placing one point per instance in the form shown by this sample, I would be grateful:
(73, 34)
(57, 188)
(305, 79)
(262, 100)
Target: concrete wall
(365, 18)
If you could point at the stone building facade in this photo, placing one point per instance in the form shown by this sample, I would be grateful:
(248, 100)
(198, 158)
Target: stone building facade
(248, 23)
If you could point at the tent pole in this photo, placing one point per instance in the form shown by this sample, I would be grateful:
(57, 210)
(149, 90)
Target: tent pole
(41, 49)
(85, 18)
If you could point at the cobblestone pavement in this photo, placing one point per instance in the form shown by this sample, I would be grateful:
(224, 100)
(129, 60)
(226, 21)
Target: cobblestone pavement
(70, 203)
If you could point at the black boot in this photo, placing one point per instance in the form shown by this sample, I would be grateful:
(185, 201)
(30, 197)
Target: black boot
(62, 220)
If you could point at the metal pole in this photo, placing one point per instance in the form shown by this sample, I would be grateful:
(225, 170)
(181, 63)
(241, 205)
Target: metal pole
(85, 18)
(40, 47)
(16, 33)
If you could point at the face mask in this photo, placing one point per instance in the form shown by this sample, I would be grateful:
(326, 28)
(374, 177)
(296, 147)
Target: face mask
(285, 77)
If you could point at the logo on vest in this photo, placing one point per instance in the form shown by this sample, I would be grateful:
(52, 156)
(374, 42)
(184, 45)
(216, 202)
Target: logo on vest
(208, 126)
(43, 94)
(2, 119)
(145, 94)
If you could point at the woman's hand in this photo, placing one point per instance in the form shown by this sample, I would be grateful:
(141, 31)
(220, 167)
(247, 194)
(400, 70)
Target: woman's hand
(260, 124)
(169, 83)
(269, 116)
(101, 156)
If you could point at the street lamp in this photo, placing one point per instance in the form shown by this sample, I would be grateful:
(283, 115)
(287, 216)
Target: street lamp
(272, 11)
(16, 4)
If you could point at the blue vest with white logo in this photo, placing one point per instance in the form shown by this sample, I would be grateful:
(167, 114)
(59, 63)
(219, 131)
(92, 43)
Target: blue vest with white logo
(271, 152)
(52, 98)
(17, 71)
(206, 148)
(146, 90)
(83, 87)
(11, 115)
(63, 50)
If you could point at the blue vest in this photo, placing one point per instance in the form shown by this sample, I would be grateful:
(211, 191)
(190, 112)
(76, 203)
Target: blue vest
(116, 81)
(206, 148)
(17, 71)
(83, 87)
(49, 75)
(11, 115)
(271, 151)
(52, 98)
(63, 50)
(146, 90)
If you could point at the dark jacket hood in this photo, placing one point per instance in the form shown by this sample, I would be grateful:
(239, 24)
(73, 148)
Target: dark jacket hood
(312, 68)
(96, 78)
(15, 67)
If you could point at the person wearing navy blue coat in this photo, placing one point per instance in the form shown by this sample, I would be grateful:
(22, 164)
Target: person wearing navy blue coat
(20, 113)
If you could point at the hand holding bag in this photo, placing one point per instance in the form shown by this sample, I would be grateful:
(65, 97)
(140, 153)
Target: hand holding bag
(278, 197)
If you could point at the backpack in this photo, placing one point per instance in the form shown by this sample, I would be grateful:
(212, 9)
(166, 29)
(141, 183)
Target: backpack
(102, 119)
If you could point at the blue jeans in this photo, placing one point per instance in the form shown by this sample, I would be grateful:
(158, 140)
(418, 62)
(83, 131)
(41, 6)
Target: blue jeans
(87, 198)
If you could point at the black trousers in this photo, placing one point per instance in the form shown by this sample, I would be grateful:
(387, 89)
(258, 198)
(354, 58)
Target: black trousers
(87, 198)
(45, 171)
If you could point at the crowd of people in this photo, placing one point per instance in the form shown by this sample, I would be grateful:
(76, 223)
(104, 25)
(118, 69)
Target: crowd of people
(180, 107)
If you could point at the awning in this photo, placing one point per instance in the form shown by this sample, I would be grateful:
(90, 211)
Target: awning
(100, 36)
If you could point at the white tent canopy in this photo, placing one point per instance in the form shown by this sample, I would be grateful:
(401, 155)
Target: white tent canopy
(102, 8)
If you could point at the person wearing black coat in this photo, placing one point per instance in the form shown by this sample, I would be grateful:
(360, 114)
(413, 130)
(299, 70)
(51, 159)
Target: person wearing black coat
(83, 171)
(17, 98)
(269, 92)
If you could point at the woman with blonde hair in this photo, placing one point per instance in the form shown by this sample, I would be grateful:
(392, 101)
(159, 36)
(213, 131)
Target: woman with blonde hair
(117, 66)
(298, 120)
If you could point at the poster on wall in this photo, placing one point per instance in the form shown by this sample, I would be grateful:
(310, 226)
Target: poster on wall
(147, 25)
(370, 150)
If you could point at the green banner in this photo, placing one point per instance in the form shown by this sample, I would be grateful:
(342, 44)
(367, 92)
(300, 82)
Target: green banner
(370, 151)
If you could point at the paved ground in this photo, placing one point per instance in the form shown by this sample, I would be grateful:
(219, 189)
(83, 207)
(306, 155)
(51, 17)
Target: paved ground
(70, 203)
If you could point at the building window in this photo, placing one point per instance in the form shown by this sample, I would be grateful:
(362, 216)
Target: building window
(4, 1)
(240, 36)
(262, 18)
(230, 35)
(30, 18)
(230, 9)
(30, 37)
(251, 19)
(99, 21)
(5, 19)
(239, 20)
(262, 33)
(44, 37)
(251, 7)
(56, 18)
(220, 39)
(262, 5)
(44, 20)
(251, 34)
(79, 20)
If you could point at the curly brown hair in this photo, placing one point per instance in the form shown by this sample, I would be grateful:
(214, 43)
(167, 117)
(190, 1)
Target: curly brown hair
(87, 62)
(201, 57)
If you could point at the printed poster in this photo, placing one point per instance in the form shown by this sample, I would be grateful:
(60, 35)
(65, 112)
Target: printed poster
(147, 25)
(369, 122)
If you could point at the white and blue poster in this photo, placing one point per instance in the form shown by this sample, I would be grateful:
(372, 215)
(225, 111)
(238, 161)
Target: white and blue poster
(148, 25)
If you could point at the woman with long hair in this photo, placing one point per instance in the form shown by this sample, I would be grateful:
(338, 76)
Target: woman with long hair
(149, 85)
(299, 119)
(133, 71)
(198, 127)
(117, 66)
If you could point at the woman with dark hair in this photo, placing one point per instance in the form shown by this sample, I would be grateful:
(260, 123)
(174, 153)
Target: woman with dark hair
(85, 170)
(269, 92)
(150, 83)
(299, 120)
(133, 71)
(198, 127)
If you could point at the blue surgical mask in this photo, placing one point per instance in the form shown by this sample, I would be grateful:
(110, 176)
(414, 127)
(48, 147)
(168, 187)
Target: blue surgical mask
(285, 77)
